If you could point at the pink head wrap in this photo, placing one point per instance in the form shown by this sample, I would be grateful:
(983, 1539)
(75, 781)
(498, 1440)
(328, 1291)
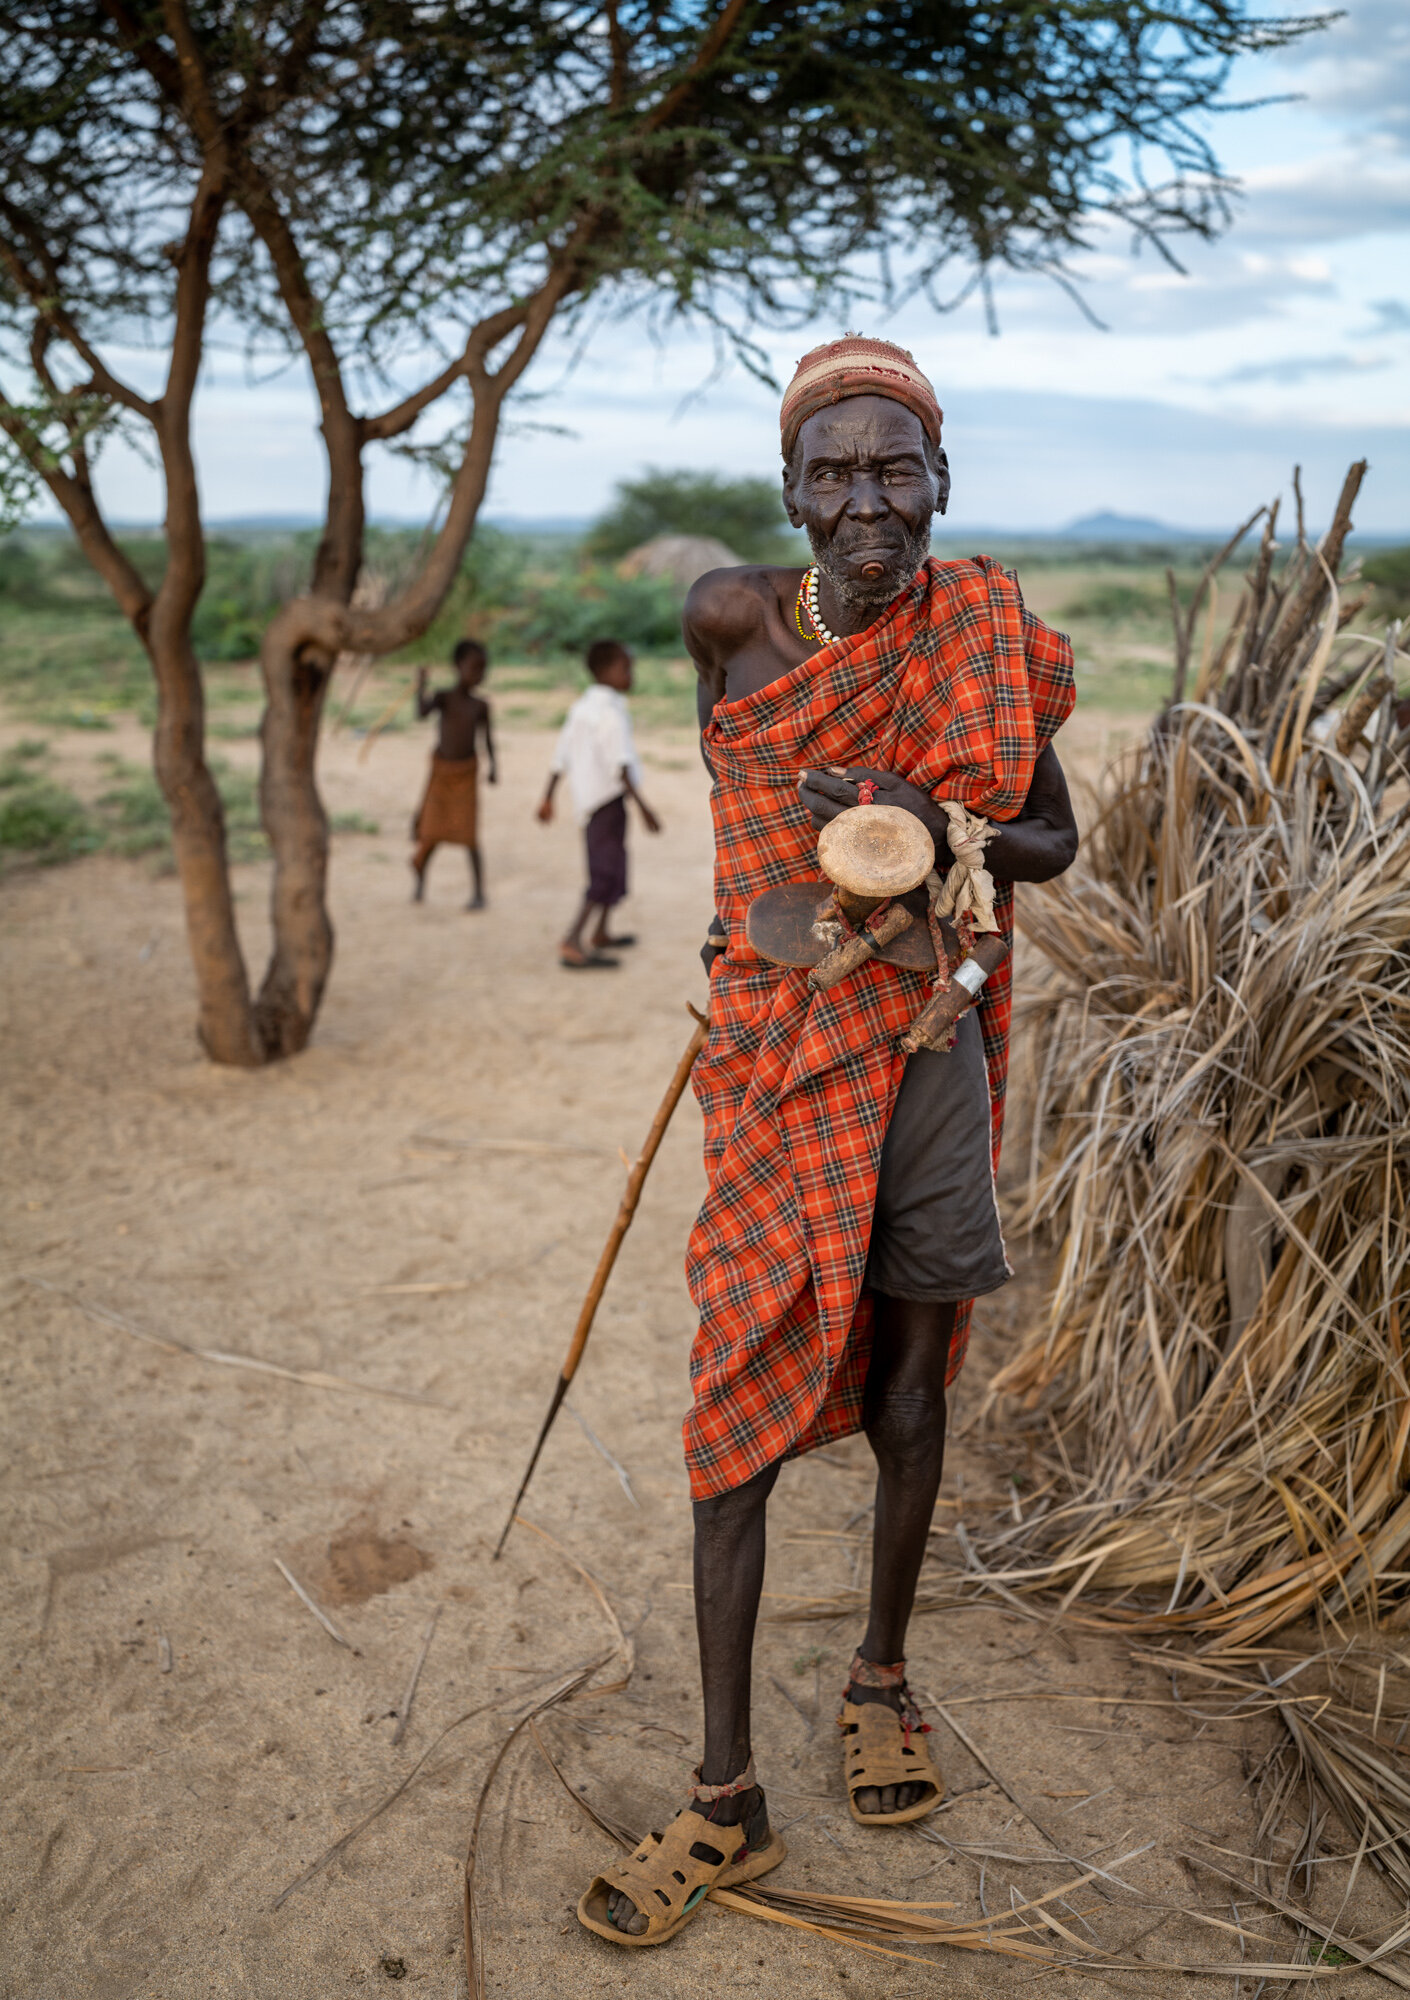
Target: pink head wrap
(855, 366)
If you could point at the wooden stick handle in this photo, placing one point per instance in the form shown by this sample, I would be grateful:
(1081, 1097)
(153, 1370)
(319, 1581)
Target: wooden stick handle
(631, 1194)
(844, 958)
(934, 1026)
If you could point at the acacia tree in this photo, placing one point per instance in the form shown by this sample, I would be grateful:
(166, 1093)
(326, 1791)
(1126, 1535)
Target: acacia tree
(370, 182)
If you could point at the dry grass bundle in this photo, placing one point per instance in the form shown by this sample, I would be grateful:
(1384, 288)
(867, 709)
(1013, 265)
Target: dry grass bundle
(1223, 1143)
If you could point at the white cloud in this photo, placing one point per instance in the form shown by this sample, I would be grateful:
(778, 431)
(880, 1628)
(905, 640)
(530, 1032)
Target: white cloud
(1356, 190)
(1359, 69)
(1298, 367)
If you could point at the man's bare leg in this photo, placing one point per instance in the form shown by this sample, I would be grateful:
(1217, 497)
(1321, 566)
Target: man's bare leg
(477, 881)
(419, 862)
(729, 1577)
(903, 1412)
(904, 1416)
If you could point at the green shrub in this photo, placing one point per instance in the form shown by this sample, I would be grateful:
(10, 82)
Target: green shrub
(746, 514)
(135, 819)
(1389, 570)
(134, 813)
(566, 615)
(1117, 604)
(41, 820)
(21, 574)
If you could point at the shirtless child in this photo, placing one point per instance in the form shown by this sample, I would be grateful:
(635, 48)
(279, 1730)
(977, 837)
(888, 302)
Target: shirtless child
(596, 753)
(450, 806)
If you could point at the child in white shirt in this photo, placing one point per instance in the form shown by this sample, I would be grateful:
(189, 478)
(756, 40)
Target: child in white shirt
(596, 754)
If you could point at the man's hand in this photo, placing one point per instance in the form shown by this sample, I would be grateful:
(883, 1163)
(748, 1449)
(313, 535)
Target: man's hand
(421, 676)
(545, 808)
(649, 819)
(494, 775)
(825, 796)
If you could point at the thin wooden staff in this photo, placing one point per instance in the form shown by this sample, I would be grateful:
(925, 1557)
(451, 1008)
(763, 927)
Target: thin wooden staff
(382, 720)
(630, 1196)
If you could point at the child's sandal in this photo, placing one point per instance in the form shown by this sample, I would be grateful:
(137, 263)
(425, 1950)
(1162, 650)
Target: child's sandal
(880, 1747)
(671, 1873)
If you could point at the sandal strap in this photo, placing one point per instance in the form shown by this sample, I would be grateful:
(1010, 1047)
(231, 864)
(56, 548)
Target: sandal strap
(664, 1878)
(710, 1794)
(871, 1674)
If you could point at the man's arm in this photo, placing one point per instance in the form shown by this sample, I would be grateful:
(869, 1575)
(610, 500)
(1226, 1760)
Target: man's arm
(1039, 844)
(424, 702)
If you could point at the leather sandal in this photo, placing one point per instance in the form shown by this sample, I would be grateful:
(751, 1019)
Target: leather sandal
(880, 1747)
(669, 1876)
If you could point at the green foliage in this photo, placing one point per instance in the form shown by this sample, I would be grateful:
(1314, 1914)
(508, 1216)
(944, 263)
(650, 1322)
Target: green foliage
(528, 599)
(1117, 604)
(134, 813)
(133, 817)
(1389, 570)
(21, 574)
(745, 514)
(40, 820)
(566, 614)
(72, 667)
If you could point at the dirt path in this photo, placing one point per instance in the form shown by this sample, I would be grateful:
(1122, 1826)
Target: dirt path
(415, 1205)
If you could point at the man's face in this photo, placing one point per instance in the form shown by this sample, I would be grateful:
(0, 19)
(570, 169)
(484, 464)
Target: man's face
(619, 674)
(471, 671)
(863, 482)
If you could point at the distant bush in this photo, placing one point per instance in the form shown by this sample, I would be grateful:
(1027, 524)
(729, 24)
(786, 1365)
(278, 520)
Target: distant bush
(567, 614)
(525, 598)
(1116, 604)
(39, 819)
(746, 514)
(134, 820)
(1389, 570)
(21, 574)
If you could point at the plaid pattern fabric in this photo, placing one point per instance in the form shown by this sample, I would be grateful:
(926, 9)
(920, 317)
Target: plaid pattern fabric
(956, 687)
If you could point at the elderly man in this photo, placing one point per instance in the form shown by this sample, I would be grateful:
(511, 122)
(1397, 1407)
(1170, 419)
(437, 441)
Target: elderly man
(850, 1220)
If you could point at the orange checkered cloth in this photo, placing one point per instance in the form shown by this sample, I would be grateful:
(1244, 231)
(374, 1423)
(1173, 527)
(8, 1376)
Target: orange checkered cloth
(956, 687)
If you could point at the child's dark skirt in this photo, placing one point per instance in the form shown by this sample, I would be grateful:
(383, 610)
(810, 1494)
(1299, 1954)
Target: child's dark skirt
(607, 854)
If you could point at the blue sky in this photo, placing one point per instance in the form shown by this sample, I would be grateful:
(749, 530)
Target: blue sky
(1288, 341)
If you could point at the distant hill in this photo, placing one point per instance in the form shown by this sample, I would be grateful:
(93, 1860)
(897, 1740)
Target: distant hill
(1109, 527)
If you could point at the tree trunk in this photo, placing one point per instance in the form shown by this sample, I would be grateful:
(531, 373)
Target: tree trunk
(303, 641)
(225, 1020)
(296, 681)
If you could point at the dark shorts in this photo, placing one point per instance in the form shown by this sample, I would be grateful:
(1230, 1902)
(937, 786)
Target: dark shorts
(935, 1228)
(606, 834)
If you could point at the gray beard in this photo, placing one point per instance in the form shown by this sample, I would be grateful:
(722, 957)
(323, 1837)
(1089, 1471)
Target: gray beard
(872, 596)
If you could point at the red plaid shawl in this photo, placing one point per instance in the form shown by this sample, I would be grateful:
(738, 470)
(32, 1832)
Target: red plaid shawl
(956, 687)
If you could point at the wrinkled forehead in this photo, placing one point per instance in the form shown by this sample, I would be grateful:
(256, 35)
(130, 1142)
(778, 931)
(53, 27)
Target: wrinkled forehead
(862, 427)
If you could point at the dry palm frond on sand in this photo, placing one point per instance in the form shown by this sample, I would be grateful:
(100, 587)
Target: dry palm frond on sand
(1223, 1141)
(1220, 1042)
(1221, 1153)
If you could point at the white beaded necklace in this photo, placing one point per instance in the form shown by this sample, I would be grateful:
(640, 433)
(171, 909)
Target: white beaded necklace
(810, 598)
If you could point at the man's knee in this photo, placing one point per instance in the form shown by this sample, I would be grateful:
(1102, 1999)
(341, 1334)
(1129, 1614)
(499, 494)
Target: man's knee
(906, 1426)
(723, 1513)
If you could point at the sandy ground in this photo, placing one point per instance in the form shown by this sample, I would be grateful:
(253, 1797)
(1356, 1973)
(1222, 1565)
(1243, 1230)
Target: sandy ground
(415, 1205)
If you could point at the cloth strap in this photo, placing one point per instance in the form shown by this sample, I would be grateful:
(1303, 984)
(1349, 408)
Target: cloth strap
(745, 1782)
(868, 1674)
(968, 889)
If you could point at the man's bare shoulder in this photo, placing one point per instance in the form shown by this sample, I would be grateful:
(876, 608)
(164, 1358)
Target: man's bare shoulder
(725, 606)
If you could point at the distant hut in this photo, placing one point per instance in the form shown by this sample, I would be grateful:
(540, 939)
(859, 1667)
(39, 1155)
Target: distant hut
(680, 559)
